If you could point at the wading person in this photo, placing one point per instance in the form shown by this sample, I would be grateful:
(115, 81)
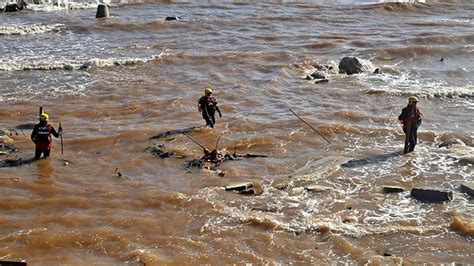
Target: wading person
(410, 118)
(207, 105)
(41, 136)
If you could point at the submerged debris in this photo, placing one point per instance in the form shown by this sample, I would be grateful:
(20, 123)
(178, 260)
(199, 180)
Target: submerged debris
(174, 132)
(159, 151)
(246, 188)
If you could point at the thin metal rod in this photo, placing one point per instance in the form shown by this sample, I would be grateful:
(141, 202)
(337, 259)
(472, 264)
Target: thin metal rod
(310, 126)
(193, 140)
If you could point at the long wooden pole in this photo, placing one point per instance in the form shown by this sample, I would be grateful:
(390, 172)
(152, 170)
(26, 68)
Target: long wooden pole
(310, 126)
(61, 136)
(408, 131)
(193, 140)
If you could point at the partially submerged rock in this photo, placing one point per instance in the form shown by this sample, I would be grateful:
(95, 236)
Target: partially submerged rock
(353, 65)
(431, 195)
(318, 188)
(384, 260)
(467, 188)
(392, 189)
(13, 262)
(321, 81)
(173, 18)
(248, 188)
(285, 184)
(451, 142)
(14, 7)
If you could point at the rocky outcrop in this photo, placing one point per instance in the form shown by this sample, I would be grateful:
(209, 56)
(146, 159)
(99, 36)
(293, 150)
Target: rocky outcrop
(353, 65)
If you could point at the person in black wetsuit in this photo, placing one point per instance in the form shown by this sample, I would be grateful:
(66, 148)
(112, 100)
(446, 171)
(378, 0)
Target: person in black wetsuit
(411, 118)
(207, 105)
(41, 136)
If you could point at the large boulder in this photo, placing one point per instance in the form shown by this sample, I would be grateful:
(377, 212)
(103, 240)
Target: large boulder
(353, 65)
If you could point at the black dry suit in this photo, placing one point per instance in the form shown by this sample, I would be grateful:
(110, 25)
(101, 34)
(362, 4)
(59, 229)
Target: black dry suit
(411, 116)
(208, 106)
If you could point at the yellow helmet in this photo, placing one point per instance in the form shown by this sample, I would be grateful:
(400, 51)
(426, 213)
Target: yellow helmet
(208, 90)
(412, 99)
(44, 117)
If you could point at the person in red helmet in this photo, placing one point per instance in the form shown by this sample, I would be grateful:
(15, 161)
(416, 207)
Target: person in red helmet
(410, 118)
(41, 136)
(207, 105)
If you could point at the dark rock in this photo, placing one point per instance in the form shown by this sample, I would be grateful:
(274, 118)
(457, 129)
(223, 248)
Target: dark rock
(468, 160)
(13, 263)
(309, 77)
(86, 66)
(102, 11)
(431, 195)
(392, 189)
(173, 18)
(377, 71)
(386, 254)
(354, 65)
(15, 7)
(468, 189)
(442, 59)
(322, 81)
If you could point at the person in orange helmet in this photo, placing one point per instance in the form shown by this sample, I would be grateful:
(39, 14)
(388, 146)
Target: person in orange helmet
(410, 118)
(41, 136)
(207, 105)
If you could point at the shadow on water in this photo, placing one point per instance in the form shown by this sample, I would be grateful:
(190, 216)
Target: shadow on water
(371, 160)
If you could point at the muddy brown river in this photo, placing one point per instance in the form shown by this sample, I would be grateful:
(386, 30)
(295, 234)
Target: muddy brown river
(114, 83)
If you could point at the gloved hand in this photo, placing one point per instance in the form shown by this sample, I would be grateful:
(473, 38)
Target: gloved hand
(60, 130)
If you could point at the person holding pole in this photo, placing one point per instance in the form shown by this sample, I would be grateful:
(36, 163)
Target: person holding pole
(41, 136)
(207, 105)
(410, 118)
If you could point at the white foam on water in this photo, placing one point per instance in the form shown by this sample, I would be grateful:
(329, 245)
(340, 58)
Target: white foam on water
(69, 64)
(406, 83)
(27, 29)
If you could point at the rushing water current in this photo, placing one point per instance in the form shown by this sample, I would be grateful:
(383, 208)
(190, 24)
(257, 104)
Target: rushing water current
(114, 83)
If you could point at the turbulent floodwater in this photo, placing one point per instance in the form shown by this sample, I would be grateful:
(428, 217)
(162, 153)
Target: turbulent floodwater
(114, 83)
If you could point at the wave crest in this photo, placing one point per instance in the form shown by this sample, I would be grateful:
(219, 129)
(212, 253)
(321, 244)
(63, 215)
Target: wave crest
(25, 29)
